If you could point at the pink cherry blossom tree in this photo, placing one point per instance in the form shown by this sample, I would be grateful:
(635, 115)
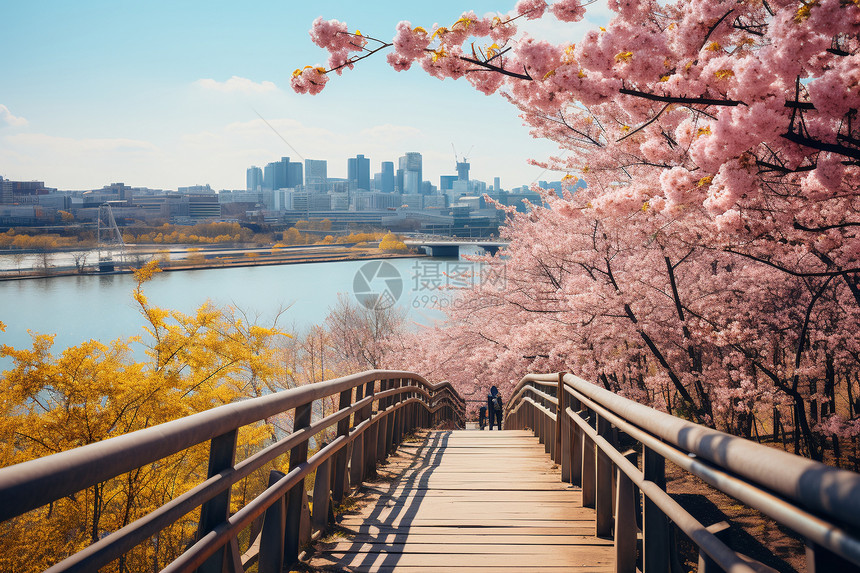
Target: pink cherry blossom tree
(712, 265)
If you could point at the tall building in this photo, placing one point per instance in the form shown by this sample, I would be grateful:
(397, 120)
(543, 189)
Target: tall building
(398, 180)
(412, 173)
(275, 174)
(497, 184)
(358, 172)
(282, 175)
(463, 171)
(387, 184)
(294, 175)
(446, 182)
(269, 176)
(316, 175)
(254, 179)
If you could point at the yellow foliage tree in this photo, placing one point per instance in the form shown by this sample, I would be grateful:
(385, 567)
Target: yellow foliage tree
(95, 391)
(391, 242)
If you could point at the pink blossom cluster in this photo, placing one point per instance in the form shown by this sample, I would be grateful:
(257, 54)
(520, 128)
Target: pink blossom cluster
(712, 264)
(335, 37)
(309, 81)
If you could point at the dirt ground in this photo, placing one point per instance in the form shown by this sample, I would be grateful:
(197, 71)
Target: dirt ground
(749, 529)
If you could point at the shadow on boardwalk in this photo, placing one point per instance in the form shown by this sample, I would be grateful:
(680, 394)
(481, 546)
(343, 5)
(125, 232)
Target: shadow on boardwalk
(469, 501)
(389, 518)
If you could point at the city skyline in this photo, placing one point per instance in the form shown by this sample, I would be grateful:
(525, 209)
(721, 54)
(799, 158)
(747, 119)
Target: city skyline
(197, 93)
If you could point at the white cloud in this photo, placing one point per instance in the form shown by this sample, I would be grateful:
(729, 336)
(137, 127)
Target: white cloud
(86, 163)
(71, 146)
(237, 85)
(389, 132)
(6, 118)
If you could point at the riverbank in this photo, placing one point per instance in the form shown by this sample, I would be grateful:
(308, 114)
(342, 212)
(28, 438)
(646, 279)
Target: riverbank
(185, 259)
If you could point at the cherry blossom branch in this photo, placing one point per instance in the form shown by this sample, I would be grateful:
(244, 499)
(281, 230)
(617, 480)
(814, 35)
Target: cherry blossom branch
(498, 69)
(681, 100)
(676, 381)
(822, 145)
(801, 339)
(714, 27)
(800, 227)
(800, 274)
(369, 53)
(646, 124)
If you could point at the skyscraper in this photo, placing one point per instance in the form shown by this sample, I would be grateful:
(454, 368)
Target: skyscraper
(254, 179)
(358, 172)
(294, 175)
(497, 184)
(412, 173)
(398, 180)
(282, 174)
(463, 171)
(446, 182)
(269, 176)
(316, 175)
(387, 177)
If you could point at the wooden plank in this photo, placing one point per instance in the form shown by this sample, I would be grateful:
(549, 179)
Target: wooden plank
(525, 561)
(513, 529)
(407, 543)
(505, 537)
(469, 501)
(468, 569)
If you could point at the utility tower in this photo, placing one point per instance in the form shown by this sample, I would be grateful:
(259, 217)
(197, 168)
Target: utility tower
(111, 245)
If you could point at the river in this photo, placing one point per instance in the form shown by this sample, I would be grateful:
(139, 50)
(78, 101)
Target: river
(79, 308)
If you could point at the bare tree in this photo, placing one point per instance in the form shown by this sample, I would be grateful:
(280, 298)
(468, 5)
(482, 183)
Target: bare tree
(80, 258)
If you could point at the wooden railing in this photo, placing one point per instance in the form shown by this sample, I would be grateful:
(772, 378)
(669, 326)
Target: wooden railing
(616, 450)
(376, 409)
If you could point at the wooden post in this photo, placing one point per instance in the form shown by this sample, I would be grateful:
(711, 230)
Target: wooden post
(222, 452)
(576, 451)
(398, 424)
(298, 456)
(389, 447)
(625, 520)
(565, 447)
(356, 465)
(655, 525)
(340, 464)
(382, 431)
(821, 560)
(371, 434)
(588, 471)
(722, 532)
(559, 422)
(603, 480)
(319, 517)
(271, 556)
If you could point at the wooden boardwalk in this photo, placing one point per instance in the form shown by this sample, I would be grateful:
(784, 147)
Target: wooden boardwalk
(468, 500)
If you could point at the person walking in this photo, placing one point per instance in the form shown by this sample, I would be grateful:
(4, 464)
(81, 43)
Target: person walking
(482, 417)
(494, 407)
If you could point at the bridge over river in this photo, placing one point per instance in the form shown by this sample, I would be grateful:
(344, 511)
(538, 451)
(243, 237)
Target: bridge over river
(449, 248)
(575, 482)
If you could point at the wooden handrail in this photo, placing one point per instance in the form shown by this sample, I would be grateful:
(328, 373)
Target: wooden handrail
(405, 401)
(581, 429)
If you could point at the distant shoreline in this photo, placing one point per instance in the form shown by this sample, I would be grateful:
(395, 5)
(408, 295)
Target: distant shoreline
(286, 256)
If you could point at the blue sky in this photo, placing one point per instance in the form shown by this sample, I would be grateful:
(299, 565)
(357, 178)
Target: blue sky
(95, 92)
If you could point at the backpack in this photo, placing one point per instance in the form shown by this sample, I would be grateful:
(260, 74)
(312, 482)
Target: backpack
(497, 403)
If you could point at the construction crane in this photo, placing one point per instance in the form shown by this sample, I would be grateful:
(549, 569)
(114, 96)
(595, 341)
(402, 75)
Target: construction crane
(465, 157)
(109, 240)
(462, 166)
